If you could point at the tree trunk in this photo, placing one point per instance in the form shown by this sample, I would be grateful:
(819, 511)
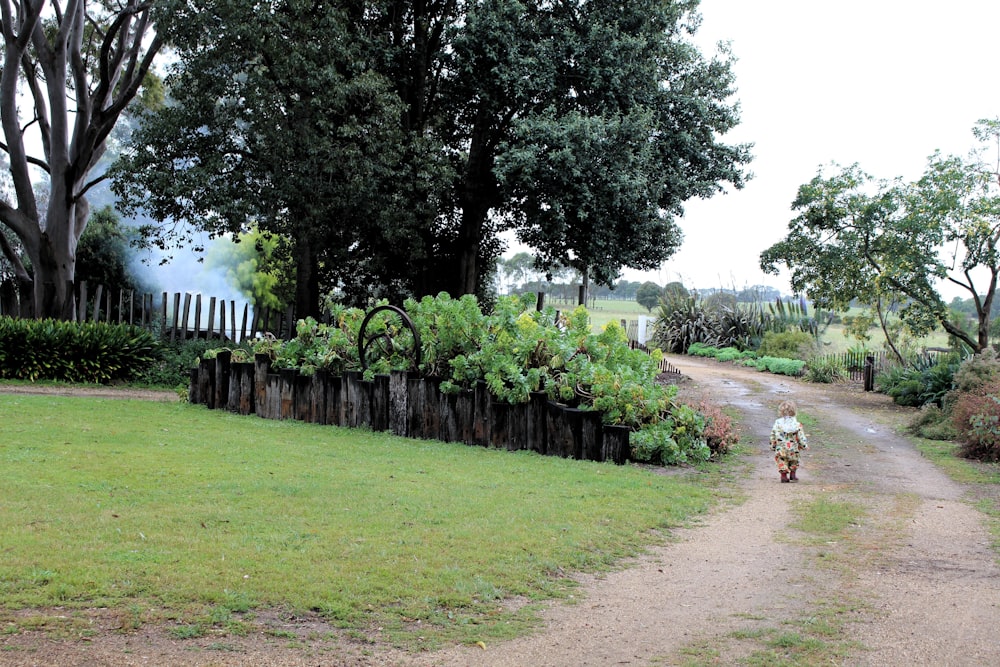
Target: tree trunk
(476, 197)
(306, 280)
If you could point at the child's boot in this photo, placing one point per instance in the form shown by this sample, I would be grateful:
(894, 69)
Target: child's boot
(784, 476)
(791, 475)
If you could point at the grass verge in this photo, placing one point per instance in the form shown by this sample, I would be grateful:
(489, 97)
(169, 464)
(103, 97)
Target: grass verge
(175, 512)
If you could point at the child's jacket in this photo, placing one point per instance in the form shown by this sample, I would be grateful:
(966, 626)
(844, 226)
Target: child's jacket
(787, 435)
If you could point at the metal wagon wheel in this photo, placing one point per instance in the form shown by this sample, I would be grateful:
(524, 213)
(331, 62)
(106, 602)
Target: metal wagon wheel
(391, 334)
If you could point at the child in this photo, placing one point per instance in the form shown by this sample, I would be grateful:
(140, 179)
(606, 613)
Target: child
(787, 440)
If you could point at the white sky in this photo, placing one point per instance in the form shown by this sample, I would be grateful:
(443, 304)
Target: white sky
(879, 82)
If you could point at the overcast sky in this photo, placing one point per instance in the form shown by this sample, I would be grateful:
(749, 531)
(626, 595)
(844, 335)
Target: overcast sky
(879, 82)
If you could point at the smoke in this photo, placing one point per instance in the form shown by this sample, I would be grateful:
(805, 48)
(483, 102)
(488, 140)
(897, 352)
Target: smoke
(183, 271)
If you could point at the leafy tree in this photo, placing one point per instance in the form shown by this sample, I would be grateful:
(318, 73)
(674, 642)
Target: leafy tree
(395, 141)
(278, 120)
(648, 295)
(880, 242)
(102, 254)
(597, 171)
(259, 266)
(80, 65)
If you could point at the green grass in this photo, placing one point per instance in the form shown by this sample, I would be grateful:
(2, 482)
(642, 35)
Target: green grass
(200, 515)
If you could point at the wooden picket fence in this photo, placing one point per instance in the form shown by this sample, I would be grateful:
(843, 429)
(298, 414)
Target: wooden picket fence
(406, 405)
(174, 315)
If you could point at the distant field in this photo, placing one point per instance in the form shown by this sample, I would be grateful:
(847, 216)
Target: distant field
(833, 341)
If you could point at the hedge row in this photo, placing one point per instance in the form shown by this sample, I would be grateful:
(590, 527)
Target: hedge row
(95, 352)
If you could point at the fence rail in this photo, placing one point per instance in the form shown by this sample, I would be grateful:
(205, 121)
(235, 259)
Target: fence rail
(173, 315)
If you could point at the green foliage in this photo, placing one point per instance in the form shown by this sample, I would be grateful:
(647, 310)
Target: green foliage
(87, 352)
(975, 415)
(515, 350)
(648, 295)
(102, 255)
(331, 347)
(725, 354)
(777, 365)
(977, 370)
(883, 241)
(683, 321)
(933, 423)
(384, 156)
(825, 370)
(172, 366)
(925, 381)
(257, 264)
(787, 344)
(678, 439)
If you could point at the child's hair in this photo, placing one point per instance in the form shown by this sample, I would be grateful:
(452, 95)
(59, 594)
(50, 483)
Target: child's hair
(786, 409)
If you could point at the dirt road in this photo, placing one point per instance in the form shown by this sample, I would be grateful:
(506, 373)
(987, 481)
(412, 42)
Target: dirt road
(915, 583)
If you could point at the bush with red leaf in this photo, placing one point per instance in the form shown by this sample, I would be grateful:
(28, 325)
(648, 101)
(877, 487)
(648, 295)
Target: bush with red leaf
(719, 431)
(976, 416)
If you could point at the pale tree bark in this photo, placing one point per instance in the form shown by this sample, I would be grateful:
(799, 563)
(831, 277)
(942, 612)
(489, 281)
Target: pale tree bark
(66, 87)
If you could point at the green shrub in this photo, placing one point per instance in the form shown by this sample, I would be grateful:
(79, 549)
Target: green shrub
(925, 381)
(777, 365)
(826, 370)
(95, 352)
(677, 439)
(719, 432)
(173, 365)
(933, 423)
(976, 417)
(977, 370)
(702, 350)
(787, 345)
(729, 354)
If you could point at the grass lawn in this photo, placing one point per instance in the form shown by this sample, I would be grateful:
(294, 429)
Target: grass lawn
(173, 512)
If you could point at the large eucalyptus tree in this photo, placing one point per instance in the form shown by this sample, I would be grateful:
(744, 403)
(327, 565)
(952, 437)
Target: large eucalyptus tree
(70, 69)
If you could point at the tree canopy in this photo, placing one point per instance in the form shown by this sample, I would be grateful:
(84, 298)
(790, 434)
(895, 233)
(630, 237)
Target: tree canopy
(880, 241)
(394, 142)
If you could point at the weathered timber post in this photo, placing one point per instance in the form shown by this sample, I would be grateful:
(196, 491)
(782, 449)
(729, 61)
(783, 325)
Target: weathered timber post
(517, 427)
(398, 404)
(236, 372)
(248, 388)
(591, 440)
(380, 403)
(448, 417)
(286, 406)
(206, 382)
(465, 416)
(361, 393)
(431, 414)
(334, 399)
(317, 406)
(223, 360)
(615, 444)
(869, 373)
(416, 396)
(536, 431)
(481, 414)
(302, 400)
(564, 431)
(499, 425)
(193, 396)
(270, 408)
(262, 368)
